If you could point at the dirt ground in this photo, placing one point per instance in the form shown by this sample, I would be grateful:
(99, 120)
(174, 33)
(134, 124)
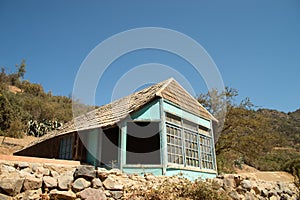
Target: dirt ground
(10, 145)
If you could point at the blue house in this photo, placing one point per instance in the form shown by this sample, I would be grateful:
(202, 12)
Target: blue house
(161, 130)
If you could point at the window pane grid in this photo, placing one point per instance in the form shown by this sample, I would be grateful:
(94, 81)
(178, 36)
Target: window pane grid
(206, 152)
(174, 143)
(191, 148)
(65, 148)
(194, 149)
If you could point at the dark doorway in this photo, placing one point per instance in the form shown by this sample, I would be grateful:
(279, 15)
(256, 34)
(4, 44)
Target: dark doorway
(110, 149)
(143, 143)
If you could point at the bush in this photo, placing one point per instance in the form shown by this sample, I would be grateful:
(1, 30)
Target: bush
(182, 189)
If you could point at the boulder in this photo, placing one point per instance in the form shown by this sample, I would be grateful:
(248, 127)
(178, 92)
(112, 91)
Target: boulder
(229, 181)
(54, 174)
(4, 197)
(116, 194)
(111, 183)
(22, 165)
(50, 182)
(234, 195)
(67, 195)
(32, 183)
(65, 181)
(80, 184)
(85, 171)
(30, 194)
(43, 171)
(11, 183)
(246, 184)
(92, 194)
(96, 183)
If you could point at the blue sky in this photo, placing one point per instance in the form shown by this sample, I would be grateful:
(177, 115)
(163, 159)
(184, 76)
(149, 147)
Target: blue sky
(255, 44)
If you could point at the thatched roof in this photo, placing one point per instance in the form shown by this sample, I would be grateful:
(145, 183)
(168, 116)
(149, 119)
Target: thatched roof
(110, 114)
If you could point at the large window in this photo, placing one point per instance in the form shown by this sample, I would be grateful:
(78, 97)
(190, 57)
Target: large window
(188, 143)
(174, 139)
(66, 147)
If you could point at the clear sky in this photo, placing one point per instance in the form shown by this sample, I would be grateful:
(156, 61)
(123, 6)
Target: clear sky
(255, 44)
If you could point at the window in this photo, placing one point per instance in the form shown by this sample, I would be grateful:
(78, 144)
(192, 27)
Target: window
(188, 143)
(191, 148)
(206, 152)
(174, 142)
(66, 147)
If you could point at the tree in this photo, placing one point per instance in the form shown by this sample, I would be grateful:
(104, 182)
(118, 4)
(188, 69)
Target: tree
(245, 134)
(21, 69)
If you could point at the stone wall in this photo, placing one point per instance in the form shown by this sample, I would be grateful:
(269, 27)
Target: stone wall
(22, 180)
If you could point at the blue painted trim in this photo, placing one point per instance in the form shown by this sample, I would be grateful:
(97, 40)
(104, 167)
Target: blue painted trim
(164, 150)
(150, 111)
(213, 148)
(143, 170)
(173, 109)
(190, 174)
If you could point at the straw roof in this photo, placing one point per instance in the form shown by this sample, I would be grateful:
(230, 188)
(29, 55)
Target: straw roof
(110, 114)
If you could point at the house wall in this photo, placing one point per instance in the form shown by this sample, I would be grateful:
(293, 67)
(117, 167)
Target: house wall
(156, 111)
(150, 112)
(173, 109)
(190, 174)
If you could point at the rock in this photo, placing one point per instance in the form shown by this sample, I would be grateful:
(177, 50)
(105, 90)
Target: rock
(284, 197)
(67, 195)
(22, 165)
(96, 183)
(289, 192)
(234, 195)
(229, 181)
(7, 168)
(32, 183)
(115, 171)
(35, 166)
(4, 197)
(241, 190)
(54, 174)
(111, 183)
(274, 197)
(11, 183)
(257, 190)
(92, 194)
(246, 184)
(85, 171)
(249, 196)
(80, 184)
(65, 181)
(43, 171)
(50, 182)
(102, 174)
(116, 194)
(32, 194)
(264, 193)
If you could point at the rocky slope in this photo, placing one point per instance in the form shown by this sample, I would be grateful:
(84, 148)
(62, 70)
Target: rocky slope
(23, 180)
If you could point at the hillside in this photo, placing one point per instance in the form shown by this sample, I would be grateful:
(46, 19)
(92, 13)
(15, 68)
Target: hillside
(264, 139)
(26, 109)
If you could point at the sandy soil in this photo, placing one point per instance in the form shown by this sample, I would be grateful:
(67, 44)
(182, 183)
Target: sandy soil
(10, 145)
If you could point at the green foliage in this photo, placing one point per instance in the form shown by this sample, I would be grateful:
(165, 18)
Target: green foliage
(293, 167)
(18, 110)
(37, 129)
(265, 139)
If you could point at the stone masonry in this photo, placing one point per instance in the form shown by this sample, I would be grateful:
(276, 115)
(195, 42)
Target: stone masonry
(22, 180)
